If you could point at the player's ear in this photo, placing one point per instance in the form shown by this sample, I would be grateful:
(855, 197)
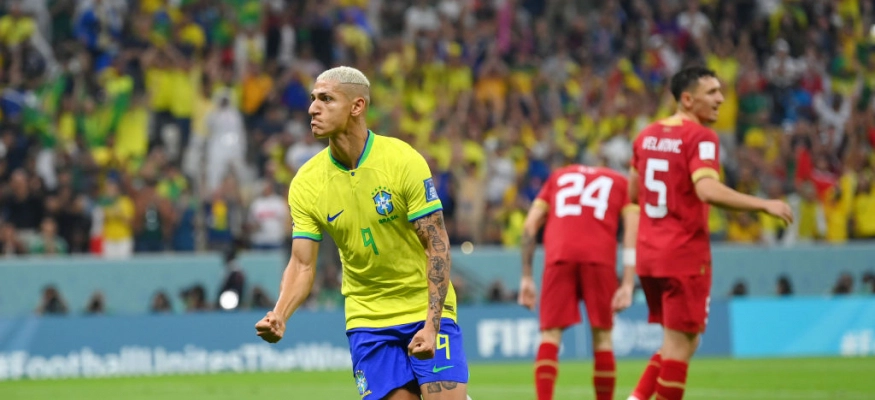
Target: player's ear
(687, 99)
(358, 106)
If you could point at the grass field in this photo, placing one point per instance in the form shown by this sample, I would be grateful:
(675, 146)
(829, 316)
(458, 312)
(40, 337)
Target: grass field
(773, 379)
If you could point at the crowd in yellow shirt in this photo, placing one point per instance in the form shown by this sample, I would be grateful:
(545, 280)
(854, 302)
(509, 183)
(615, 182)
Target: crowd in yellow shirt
(492, 113)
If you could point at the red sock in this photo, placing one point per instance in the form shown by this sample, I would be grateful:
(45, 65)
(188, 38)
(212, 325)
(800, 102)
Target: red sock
(647, 384)
(672, 380)
(604, 377)
(546, 369)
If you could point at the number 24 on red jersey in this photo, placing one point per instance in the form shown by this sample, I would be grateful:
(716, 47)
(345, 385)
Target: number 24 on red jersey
(585, 205)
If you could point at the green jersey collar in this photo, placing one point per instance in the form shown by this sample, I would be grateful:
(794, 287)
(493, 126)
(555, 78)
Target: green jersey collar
(365, 152)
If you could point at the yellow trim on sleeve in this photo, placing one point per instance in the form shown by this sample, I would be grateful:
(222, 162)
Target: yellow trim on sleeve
(541, 204)
(630, 208)
(674, 120)
(705, 172)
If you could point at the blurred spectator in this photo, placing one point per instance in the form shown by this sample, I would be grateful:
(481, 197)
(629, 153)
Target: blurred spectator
(496, 94)
(744, 227)
(96, 304)
(782, 72)
(153, 218)
(783, 287)
(304, 148)
(184, 231)
(329, 297)
(73, 221)
(52, 303)
(268, 219)
(498, 293)
(48, 241)
(464, 294)
(868, 282)
(118, 216)
(810, 222)
(470, 204)
(739, 289)
(694, 22)
(160, 303)
(10, 243)
(195, 298)
(844, 285)
(864, 208)
(23, 207)
(775, 231)
(19, 34)
(260, 299)
(223, 215)
(226, 146)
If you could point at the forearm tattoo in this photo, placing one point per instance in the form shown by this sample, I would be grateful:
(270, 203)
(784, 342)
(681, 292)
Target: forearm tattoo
(436, 387)
(433, 235)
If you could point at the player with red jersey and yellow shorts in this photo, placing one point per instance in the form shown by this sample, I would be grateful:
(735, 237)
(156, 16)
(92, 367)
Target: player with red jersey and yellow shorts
(582, 208)
(674, 178)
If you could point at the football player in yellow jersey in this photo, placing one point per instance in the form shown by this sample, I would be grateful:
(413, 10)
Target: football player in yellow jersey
(375, 196)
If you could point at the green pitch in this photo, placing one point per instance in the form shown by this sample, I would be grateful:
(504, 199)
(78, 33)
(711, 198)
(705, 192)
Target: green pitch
(773, 379)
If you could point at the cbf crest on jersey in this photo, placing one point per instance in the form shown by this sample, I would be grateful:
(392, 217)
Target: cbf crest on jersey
(361, 383)
(383, 200)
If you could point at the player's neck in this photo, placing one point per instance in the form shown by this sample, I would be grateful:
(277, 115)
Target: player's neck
(348, 146)
(683, 114)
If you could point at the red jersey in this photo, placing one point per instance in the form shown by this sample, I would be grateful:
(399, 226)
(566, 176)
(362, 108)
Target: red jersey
(670, 156)
(585, 206)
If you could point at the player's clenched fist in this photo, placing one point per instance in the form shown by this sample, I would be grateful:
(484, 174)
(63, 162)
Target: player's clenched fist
(622, 298)
(423, 344)
(528, 293)
(780, 209)
(270, 328)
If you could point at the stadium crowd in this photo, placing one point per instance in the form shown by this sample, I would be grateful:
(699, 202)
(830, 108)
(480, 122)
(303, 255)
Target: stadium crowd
(176, 125)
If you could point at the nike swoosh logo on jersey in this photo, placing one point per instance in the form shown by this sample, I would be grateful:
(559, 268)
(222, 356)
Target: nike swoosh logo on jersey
(435, 369)
(331, 218)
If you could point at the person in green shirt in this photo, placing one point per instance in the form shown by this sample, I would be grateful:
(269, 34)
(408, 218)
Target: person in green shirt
(48, 241)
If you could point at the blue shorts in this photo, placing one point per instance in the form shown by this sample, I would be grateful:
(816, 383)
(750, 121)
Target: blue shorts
(380, 362)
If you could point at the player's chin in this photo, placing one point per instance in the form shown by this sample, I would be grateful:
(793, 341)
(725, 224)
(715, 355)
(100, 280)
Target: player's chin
(319, 133)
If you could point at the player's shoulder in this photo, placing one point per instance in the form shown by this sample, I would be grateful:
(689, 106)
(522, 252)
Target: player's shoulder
(566, 169)
(394, 148)
(611, 173)
(664, 124)
(655, 128)
(697, 131)
(313, 170)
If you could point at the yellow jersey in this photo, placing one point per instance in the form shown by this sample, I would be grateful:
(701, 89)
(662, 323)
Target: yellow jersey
(369, 211)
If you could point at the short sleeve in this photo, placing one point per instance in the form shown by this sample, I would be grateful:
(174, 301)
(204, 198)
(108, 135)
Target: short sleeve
(703, 156)
(304, 224)
(417, 186)
(633, 163)
(621, 191)
(545, 196)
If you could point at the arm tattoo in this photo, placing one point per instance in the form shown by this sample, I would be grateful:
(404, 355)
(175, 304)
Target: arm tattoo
(433, 235)
(436, 387)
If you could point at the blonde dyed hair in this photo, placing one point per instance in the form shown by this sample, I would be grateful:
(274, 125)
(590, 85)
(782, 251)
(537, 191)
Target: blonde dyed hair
(356, 84)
